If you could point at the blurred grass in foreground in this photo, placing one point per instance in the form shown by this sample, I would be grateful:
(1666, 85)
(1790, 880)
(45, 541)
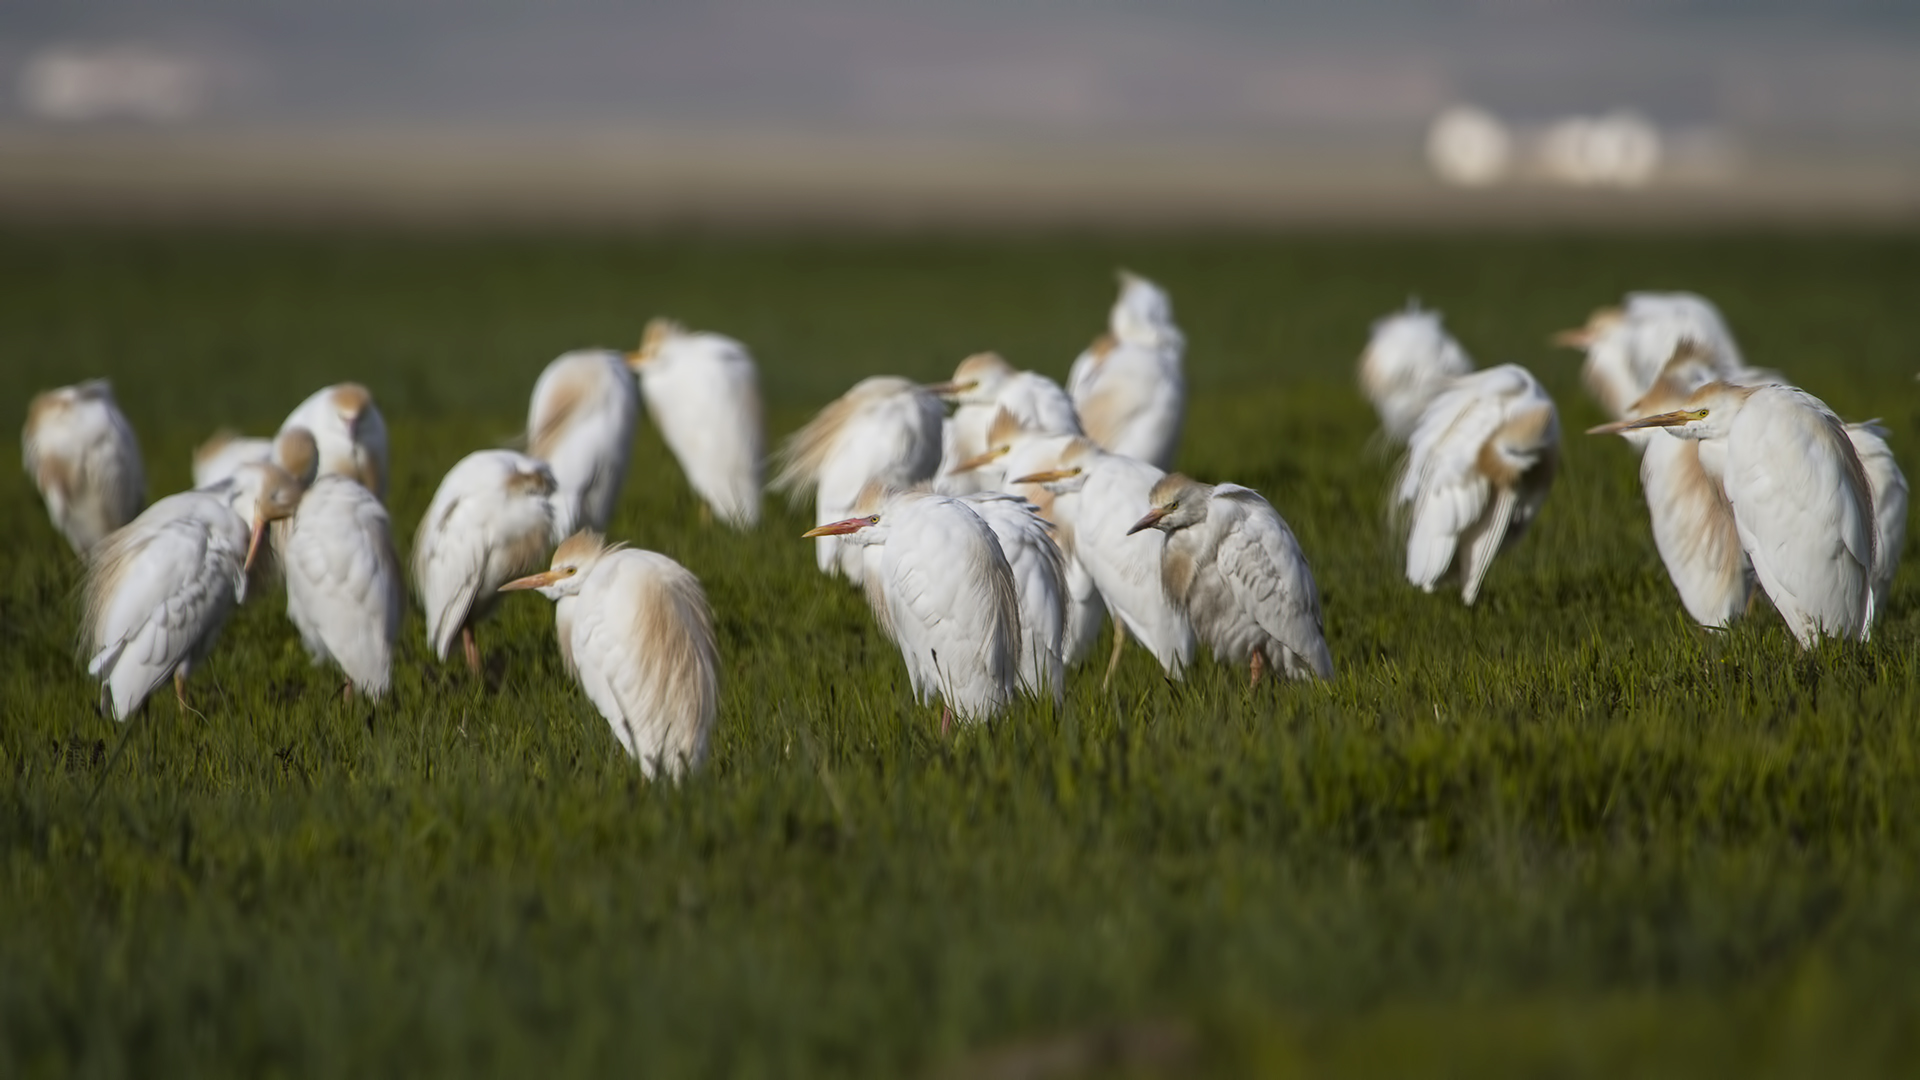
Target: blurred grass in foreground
(1561, 833)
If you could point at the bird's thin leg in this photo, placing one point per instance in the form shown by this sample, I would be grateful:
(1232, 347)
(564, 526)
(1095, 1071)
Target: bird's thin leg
(471, 648)
(180, 690)
(1258, 667)
(946, 718)
(1119, 640)
(346, 692)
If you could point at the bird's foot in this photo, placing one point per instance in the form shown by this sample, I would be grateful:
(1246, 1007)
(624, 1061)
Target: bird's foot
(1257, 668)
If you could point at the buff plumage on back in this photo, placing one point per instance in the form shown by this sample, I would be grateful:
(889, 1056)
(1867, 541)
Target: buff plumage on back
(806, 451)
(681, 662)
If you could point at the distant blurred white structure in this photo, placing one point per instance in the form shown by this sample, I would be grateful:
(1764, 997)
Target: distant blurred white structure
(135, 82)
(1469, 147)
(1473, 148)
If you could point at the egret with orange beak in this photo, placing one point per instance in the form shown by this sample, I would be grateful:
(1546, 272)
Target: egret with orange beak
(158, 591)
(1801, 501)
(636, 633)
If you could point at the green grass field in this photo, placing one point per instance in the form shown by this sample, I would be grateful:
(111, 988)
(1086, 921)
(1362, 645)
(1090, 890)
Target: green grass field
(1563, 833)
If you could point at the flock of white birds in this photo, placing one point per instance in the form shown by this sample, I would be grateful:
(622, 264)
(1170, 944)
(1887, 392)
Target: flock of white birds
(992, 544)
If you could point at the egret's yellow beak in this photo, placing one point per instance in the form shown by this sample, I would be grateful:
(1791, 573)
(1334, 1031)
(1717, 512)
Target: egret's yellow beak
(979, 460)
(948, 389)
(1577, 338)
(1047, 476)
(253, 543)
(638, 358)
(841, 528)
(1153, 518)
(1665, 419)
(534, 581)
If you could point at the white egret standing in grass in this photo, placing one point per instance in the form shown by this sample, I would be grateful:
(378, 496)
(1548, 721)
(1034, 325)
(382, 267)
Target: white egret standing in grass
(349, 432)
(1009, 442)
(1097, 497)
(1129, 388)
(950, 600)
(490, 521)
(82, 455)
(885, 429)
(1478, 468)
(703, 393)
(580, 422)
(1231, 561)
(1409, 359)
(343, 579)
(1888, 486)
(983, 385)
(1801, 501)
(158, 590)
(636, 633)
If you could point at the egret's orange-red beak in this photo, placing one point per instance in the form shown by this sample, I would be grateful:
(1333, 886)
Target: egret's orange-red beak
(838, 528)
(1665, 419)
(979, 460)
(1153, 518)
(253, 543)
(534, 581)
(1047, 476)
(1577, 338)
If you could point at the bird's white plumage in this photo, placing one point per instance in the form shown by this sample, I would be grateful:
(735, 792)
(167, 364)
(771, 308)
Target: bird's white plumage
(1409, 359)
(580, 422)
(1627, 347)
(491, 520)
(885, 430)
(159, 589)
(343, 581)
(950, 599)
(349, 433)
(81, 452)
(639, 638)
(223, 454)
(1129, 388)
(703, 393)
(1888, 486)
(983, 386)
(1478, 468)
(1039, 583)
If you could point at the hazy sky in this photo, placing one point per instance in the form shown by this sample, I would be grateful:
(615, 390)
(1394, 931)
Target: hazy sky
(1762, 67)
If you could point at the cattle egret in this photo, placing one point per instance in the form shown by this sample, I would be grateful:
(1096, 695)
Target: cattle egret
(637, 635)
(1233, 564)
(158, 590)
(83, 457)
(1408, 360)
(984, 385)
(349, 432)
(1128, 387)
(1011, 442)
(1627, 347)
(490, 521)
(1888, 486)
(1692, 521)
(1801, 501)
(950, 600)
(1097, 497)
(885, 429)
(580, 423)
(343, 579)
(1039, 584)
(703, 393)
(1477, 470)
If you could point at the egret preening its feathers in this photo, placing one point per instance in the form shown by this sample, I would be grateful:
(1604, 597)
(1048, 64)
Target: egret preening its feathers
(1801, 501)
(1234, 566)
(637, 635)
(885, 429)
(82, 455)
(1409, 359)
(703, 393)
(950, 599)
(490, 521)
(343, 579)
(580, 422)
(349, 433)
(1478, 468)
(1129, 387)
(158, 590)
